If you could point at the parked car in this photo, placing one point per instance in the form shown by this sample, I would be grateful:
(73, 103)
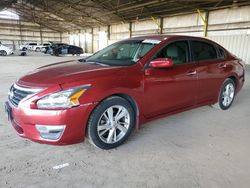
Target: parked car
(28, 46)
(4, 50)
(39, 47)
(50, 49)
(122, 86)
(68, 49)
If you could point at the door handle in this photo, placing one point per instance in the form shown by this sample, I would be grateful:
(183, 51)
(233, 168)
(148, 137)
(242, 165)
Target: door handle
(222, 65)
(190, 73)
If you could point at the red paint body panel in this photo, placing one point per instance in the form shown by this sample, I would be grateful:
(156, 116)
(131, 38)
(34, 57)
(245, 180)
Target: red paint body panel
(156, 91)
(167, 90)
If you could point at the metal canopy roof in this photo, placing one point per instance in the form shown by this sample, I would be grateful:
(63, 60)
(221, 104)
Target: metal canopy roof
(68, 15)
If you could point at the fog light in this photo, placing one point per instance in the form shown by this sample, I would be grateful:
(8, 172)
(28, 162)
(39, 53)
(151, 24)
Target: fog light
(51, 132)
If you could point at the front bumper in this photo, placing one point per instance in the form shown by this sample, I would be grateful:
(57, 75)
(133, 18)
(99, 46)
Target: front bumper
(74, 120)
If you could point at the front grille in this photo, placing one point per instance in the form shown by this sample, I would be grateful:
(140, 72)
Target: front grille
(18, 93)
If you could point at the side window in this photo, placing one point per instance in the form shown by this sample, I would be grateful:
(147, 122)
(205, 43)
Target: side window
(203, 51)
(221, 53)
(177, 51)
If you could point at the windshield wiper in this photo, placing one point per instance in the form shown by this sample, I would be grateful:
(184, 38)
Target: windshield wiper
(96, 63)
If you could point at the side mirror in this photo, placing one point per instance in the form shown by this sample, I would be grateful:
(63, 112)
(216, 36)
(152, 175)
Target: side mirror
(161, 63)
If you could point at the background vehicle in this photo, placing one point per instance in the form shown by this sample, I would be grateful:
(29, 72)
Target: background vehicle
(28, 46)
(41, 46)
(67, 49)
(122, 86)
(52, 47)
(4, 50)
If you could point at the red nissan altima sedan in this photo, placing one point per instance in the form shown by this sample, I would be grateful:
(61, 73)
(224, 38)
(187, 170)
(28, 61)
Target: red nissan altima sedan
(120, 87)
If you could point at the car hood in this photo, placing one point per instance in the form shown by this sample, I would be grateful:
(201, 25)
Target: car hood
(64, 72)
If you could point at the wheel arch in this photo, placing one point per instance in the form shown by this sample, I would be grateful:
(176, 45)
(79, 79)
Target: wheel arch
(131, 101)
(233, 77)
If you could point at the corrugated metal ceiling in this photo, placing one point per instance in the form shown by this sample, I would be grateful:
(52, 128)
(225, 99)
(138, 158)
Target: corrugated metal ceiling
(68, 15)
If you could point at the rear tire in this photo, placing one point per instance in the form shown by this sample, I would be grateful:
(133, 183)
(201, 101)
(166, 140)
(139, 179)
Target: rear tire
(226, 96)
(111, 123)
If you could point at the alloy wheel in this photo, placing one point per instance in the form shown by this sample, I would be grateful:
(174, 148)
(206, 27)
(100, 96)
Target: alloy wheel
(228, 94)
(113, 124)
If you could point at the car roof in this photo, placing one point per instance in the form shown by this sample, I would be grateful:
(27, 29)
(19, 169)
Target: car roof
(164, 37)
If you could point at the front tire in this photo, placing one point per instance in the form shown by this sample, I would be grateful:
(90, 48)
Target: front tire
(3, 53)
(111, 123)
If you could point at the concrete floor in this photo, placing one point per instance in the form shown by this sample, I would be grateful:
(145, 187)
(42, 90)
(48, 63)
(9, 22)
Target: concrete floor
(204, 147)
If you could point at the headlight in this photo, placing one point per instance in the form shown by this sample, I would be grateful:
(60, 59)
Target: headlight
(62, 99)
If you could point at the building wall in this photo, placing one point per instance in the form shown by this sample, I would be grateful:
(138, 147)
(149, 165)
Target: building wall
(13, 33)
(229, 27)
(118, 32)
(239, 45)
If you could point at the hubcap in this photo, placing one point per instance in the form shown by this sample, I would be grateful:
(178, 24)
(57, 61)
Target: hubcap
(228, 94)
(113, 124)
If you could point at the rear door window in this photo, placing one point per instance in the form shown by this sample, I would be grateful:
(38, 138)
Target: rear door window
(203, 51)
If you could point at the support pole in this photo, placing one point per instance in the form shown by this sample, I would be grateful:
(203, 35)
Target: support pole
(158, 25)
(92, 40)
(61, 37)
(41, 35)
(130, 29)
(206, 25)
(205, 21)
(21, 34)
(108, 32)
(161, 25)
(85, 42)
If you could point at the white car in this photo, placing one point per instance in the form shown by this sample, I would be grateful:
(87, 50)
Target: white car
(28, 46)
(4, 50)
(41, 46)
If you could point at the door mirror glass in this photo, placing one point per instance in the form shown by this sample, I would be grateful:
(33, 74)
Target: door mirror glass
(161, 63)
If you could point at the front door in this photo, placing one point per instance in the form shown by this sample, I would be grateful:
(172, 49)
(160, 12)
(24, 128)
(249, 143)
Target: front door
(170, 89)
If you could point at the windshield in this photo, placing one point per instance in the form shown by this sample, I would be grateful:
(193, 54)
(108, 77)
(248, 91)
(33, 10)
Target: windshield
(123, 53)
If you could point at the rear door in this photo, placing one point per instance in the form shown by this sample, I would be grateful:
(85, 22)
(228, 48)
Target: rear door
(210, 70)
